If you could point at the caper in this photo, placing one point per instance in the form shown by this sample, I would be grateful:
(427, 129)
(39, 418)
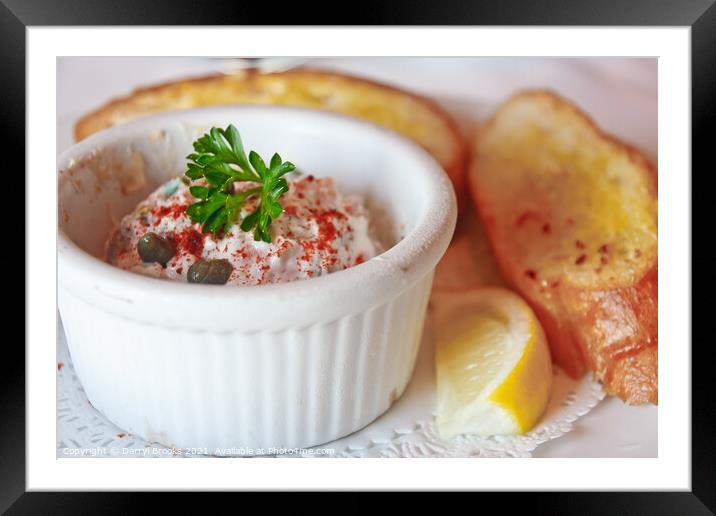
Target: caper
(214, 272)
(153, 248)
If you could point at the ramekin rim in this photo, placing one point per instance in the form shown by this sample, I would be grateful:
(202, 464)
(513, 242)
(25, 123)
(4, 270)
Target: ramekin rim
(402, 256)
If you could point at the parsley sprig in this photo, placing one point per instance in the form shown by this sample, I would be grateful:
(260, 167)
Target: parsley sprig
(219, 158)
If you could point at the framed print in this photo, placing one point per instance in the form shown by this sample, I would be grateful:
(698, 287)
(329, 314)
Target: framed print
(416, 258)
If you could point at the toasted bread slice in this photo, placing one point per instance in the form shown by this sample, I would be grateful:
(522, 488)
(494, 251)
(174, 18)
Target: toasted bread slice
(468, 262)
(416, 117)
(571, 215)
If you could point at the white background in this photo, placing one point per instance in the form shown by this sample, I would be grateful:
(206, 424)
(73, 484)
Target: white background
(671, 469)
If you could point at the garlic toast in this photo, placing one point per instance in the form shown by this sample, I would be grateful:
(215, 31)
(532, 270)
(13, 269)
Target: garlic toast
(413, 116)
(571, 215)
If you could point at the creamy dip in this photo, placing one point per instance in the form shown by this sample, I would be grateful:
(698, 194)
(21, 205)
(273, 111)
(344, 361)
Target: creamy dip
(319, 232)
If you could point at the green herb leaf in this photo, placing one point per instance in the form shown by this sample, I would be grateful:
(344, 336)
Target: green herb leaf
(196, 211)
(275, 161)
(200, 192)
(285, 168)
(275, 209)
(220, 160)
(280, 188)
(250, 221)
(258, 164)
(194, 171)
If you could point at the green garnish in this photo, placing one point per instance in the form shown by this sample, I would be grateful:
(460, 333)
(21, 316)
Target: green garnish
(219, 158)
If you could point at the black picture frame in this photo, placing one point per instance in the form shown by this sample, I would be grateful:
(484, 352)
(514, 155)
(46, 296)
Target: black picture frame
(700, 15)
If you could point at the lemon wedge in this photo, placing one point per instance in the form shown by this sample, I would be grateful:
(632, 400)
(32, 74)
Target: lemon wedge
(494, 373)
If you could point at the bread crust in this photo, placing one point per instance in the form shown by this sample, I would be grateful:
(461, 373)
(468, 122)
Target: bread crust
(608, 328)
(617, 333)
(168, 96)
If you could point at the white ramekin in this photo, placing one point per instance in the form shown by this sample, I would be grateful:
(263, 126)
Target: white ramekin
(270, 366)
